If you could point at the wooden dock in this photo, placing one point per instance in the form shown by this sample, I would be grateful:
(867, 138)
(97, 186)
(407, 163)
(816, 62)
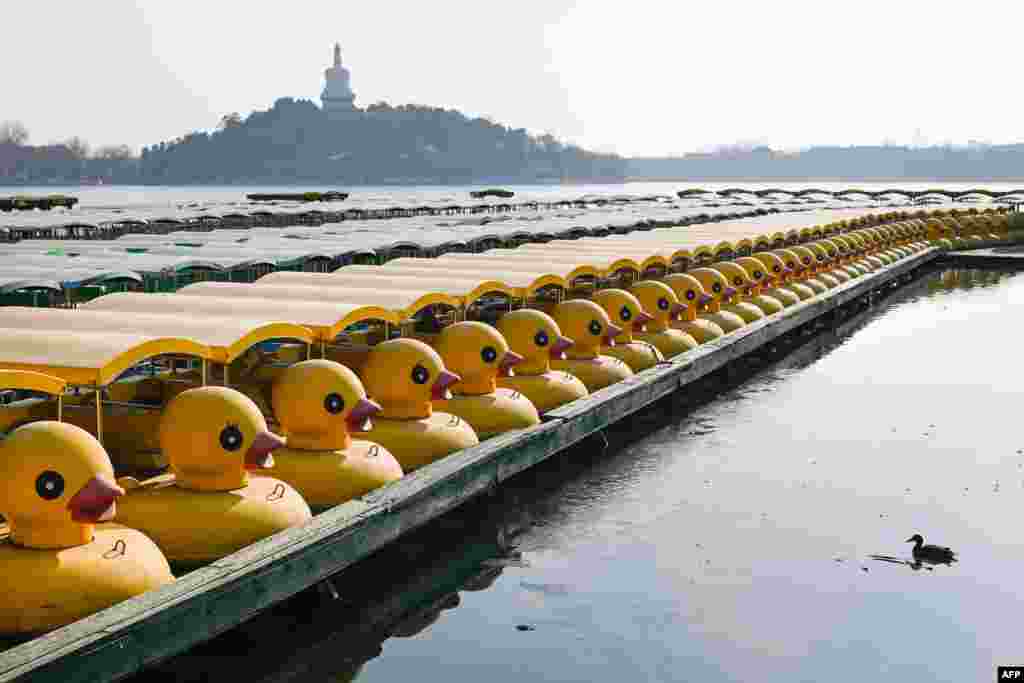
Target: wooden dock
(162, 623)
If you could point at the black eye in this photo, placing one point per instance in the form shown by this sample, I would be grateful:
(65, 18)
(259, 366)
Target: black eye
(420, 374)
(489, 354)
(663, 303)
(690, 294)
(541, 339)
(595, 328)
(231, 438)
(776, 269)
(738, 281)
(625, 313)
(716, 288)
(49, 485)
(334, 404)
(758, 274)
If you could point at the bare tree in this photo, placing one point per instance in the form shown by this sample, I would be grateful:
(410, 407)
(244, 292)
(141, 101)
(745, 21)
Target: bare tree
(232, 120)
(13, 132)
(78, 147)
(115, 152)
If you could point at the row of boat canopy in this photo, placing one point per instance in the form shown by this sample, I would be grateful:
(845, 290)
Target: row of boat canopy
(362, 207)
(93, 345)
(163, 262)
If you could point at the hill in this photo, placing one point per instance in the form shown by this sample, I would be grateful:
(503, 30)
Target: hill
(294, 141)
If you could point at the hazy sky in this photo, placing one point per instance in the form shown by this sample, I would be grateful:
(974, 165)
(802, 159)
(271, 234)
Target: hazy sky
(647, 77)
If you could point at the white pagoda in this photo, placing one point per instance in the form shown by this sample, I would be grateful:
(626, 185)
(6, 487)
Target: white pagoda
(337, 96)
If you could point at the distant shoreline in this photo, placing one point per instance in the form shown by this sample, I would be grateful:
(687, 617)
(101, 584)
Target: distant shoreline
(312, 183)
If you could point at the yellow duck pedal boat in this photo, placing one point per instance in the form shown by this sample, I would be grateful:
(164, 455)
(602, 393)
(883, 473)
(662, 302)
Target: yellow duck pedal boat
(405, 376)
(319, 405)
(60, 562)
(536, 337)
(209, 507)
(588, 326)
(478, 353)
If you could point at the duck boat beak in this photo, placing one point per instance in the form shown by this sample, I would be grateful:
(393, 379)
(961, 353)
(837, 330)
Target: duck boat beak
(705, 299)
(508, 361)
(440, 392)
(559, 347)
(95, 502)
(259, 457)
(359, 419)
(613, 332)
(677, 309)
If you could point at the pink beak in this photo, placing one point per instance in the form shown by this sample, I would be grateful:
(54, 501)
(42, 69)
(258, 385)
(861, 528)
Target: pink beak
(705, 299)
(677, 309)
(559, 347)
(439, 392)
(730, 291)
(259, 457)
(359, 419)
(613, 332)
(508, 361)
(643, 317)
(94, 502)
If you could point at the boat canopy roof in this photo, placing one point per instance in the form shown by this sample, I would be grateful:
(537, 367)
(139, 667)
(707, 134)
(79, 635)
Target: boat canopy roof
(227, 338)
(325, 319)
(404, 303)
(91, 358)
(27, 380)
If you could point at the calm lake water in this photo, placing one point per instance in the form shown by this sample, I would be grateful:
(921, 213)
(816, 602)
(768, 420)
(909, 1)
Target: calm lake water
(723, 538)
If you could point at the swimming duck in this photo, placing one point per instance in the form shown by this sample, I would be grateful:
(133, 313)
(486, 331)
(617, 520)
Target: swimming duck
(664, 307)
(625, 312)
(690, 291)
(209, 507)
(405, 376)
(536, 337)
(478, 353)
(588, 326)
(794, 278)
(760, 283)
(933, 554)
(737, 277)
(721, 292)
(319, 404)
(56, 485)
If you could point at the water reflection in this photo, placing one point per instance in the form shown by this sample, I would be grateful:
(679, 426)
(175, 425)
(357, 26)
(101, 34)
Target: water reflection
(721, 540)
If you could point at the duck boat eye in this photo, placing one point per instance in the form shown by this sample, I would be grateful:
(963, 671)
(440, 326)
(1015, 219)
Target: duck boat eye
(663, 303)
(489, 354)
(50, 485)
(420, 375)
(625, 313)
(231, 438)
(334, 403)
(541, 339)
(595, 327)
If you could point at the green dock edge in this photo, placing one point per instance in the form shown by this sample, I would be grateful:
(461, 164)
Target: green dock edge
(159, 624)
